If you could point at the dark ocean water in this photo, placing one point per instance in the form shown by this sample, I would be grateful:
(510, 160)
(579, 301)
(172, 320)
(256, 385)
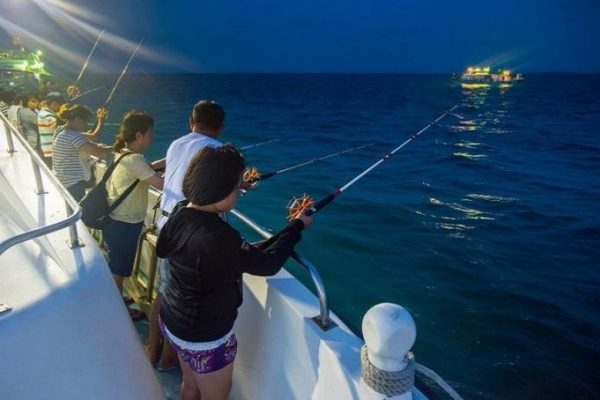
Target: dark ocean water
(486, 228)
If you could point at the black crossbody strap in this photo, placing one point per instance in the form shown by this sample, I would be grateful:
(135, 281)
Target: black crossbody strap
(111, 169)
(123, 196)
(107, 175)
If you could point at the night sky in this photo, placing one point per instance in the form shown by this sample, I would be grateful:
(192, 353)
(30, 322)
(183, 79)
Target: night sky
(314, 36)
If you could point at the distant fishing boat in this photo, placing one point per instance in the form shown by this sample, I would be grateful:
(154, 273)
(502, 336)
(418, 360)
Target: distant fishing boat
(21, 69)
(480, 77)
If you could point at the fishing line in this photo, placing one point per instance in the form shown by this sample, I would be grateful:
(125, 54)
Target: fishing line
(88, 92)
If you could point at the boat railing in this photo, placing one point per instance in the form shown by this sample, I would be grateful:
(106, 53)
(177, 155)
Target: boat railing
(39, 167)
(323, 318)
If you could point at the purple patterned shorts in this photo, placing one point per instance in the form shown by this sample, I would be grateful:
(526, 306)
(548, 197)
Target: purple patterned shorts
(205, 361)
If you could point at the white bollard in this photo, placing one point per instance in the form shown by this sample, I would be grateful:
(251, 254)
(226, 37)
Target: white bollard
(387, 366)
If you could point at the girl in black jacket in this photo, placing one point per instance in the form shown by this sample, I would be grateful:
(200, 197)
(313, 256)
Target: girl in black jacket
(207, 258)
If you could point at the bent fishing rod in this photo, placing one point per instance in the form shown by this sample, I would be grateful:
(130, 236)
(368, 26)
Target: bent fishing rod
(252, 175)
(87, 61)
(112, 92)
(297, 205)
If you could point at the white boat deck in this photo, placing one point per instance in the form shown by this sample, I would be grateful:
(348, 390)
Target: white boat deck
(68, 335)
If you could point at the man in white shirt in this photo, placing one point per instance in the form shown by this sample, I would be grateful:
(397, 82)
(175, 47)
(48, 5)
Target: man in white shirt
(206, 124)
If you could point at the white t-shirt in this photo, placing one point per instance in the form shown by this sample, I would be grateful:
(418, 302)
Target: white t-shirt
(179, 155)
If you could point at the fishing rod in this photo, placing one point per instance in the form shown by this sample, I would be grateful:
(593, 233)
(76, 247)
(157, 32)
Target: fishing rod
(259, 144)
(85, 64)
(297, 205)
(88, 92)
(252, 175)
(112, 92)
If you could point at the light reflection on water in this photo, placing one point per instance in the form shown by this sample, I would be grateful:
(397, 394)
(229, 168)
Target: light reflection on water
(468, 145)
(492, 198)
(469, 156)
(468, 212)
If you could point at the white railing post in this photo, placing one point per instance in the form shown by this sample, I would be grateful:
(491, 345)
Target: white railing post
(388, 367)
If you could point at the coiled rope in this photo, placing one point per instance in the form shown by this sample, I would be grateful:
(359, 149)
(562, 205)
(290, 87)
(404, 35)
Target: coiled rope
(400, 382)
(387, 382)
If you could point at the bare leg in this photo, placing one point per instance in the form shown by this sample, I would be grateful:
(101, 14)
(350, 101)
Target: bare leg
(168, 357)
(154, 335)
(189, 390)
(214, 385)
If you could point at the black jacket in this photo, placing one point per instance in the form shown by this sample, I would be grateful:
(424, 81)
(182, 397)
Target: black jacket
(207, 258)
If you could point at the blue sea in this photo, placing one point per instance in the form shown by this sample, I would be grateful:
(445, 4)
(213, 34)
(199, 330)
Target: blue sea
(486, 227)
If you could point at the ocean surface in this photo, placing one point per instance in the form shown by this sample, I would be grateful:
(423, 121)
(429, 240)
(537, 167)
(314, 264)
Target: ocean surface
(486, 227)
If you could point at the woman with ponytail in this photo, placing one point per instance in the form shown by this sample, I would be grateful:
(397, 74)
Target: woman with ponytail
(123, 226)
(72, 148)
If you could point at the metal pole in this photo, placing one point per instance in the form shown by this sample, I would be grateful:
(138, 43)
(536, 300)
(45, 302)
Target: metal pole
(7, 131)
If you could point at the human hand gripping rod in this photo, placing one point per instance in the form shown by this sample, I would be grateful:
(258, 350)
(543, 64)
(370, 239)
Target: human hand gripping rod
(298, 205)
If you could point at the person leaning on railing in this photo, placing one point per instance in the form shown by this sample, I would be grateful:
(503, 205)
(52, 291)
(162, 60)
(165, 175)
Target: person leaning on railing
(207, 258)
(72, 148)
(123, 226)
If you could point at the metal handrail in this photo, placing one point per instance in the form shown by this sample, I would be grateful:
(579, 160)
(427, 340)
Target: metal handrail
(38, 164)
(323, 319)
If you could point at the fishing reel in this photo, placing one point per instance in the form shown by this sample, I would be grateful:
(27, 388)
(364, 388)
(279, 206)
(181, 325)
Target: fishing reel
(102, 113)
(73, 91)
(298, 204)
(251, 176)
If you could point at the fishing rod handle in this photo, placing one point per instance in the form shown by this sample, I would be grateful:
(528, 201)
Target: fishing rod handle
(321, 203)
(267, 175)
